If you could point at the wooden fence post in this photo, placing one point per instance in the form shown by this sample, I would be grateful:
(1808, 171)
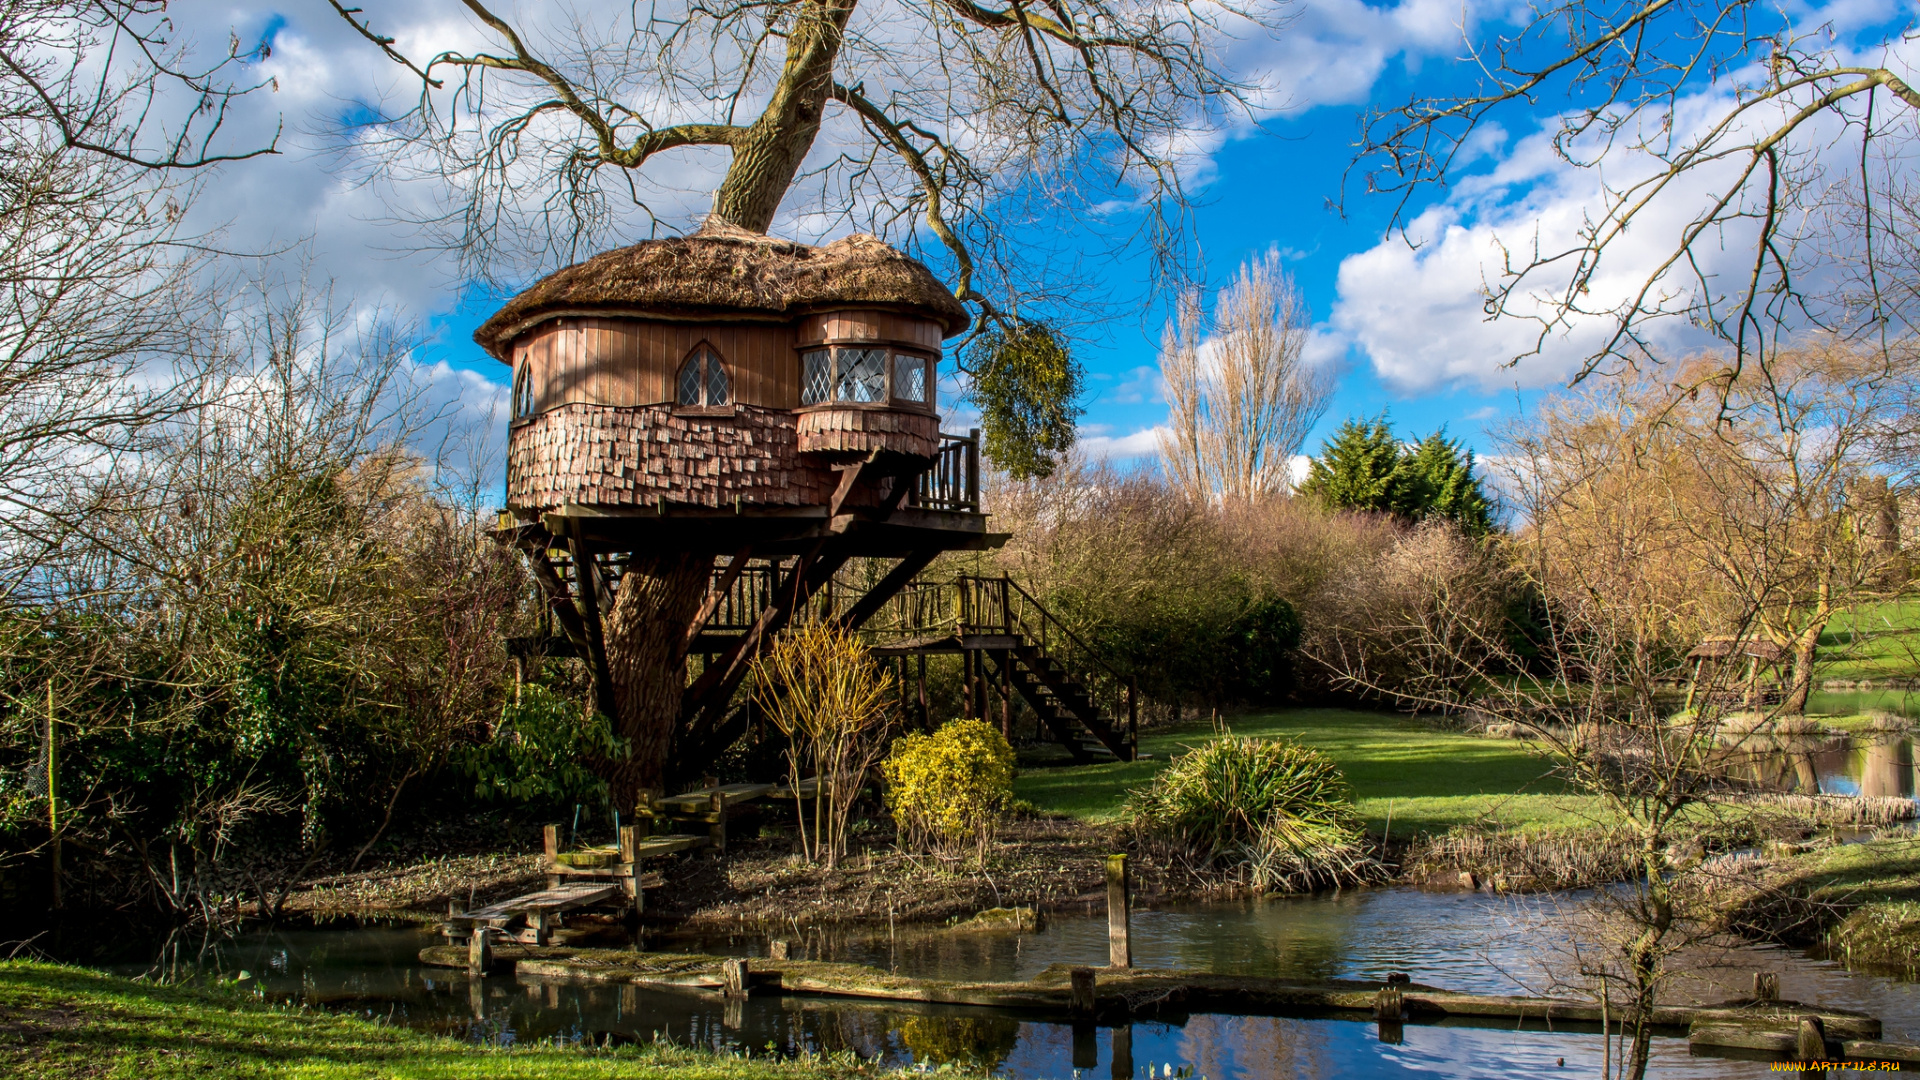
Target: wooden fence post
(1080, 995)
(1812, 1044)
(1119, 915)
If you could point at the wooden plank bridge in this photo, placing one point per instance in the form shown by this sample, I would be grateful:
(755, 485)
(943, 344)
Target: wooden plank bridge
(1116, 996)
(596, 876)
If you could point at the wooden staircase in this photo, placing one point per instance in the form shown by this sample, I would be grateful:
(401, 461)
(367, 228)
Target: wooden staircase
(1006, 636)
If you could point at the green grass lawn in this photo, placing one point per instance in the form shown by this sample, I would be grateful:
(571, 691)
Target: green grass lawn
(1432, 779)
(63, 1023)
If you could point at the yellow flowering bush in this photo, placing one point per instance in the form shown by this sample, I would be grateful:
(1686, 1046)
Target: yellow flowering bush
(950, 787)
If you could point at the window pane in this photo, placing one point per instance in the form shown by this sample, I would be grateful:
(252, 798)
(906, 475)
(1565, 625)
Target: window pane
(909, 377)
(717, 389)
(690, 380)
(863, 375)
(816, 377)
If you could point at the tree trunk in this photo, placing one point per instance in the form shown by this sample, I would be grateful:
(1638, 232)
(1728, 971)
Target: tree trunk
(766, 159)
(1803, 654)
(646, 640)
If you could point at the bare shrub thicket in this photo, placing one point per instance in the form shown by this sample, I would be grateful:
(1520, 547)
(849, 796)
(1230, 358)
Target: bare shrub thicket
(1190, 594)
(266, 626)
(1655, 515)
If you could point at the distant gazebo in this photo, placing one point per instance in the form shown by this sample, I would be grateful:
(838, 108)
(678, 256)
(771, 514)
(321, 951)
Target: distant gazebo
(1720, 649)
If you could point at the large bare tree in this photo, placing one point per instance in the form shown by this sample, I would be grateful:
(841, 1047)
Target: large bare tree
(1779, 151)
(951, 122)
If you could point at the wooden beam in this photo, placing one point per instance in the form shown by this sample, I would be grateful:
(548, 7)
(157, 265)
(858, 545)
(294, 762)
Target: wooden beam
(886, 589)
(718, 594)
(587, 573)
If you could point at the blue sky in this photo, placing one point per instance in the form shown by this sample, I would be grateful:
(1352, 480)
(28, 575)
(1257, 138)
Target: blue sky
(1402, 320)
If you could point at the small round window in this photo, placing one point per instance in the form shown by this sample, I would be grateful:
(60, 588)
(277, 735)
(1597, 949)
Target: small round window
(703, 379)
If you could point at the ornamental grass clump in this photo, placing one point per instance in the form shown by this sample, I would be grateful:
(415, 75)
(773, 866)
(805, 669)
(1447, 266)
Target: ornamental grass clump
(1279, 812)
(949, 790)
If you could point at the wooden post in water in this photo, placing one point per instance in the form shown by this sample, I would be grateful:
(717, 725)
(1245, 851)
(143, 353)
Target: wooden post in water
(1080, 999)
(1119, 918)
(1766, 986)
(479, 952)
(734, 971)
(1812, 1044)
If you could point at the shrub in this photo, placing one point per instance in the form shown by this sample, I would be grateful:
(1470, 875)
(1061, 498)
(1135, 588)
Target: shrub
(540, 749)
(950, 787)
(1278, 810)
(821, 688)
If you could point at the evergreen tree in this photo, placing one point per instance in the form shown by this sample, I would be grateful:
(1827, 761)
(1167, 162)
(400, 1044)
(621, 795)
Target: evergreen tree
(1442, 470)
(1358, 469)
(1363, 467)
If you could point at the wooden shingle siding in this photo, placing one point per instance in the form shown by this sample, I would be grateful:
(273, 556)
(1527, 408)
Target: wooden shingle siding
(856, 431)
(599, 455)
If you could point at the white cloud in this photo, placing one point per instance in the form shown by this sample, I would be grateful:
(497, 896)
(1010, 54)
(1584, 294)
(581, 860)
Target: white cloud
(1137, 444)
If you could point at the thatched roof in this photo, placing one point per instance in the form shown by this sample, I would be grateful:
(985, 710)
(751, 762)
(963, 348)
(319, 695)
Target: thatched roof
(1720, 648)
(721, 271)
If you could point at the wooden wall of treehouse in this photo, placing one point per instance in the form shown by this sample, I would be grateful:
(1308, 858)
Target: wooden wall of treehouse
(625, 361)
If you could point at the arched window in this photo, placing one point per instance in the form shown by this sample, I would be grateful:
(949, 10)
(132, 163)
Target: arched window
(703, 379)
(523, 388)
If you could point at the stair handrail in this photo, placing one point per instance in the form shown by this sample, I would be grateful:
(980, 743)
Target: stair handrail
(1082, 653)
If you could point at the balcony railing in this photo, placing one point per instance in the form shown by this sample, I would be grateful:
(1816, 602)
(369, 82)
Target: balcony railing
(952, 482)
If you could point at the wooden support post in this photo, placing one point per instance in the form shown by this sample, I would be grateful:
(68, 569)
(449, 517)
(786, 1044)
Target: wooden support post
(479, 952)
(1081, 997)
(1006, 695)
(717, 831)
(926, 715)
(540, 923)
(1812, 1044)
(646, 810)
(1119, 915)
(1766, 986)
(1122, 1053)
(1387, 1005)
(630, 858)
(734, 970)
(53, 798)
(550, 838)
(966, 684)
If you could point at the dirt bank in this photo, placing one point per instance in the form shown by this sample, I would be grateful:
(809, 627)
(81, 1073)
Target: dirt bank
(1049, 863)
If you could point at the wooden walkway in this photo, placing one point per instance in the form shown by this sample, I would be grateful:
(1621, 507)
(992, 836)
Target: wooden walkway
(1121, 995)
(585, 877)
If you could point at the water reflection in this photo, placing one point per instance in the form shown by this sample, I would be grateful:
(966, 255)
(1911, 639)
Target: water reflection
(1870, 763)
(1463, 941)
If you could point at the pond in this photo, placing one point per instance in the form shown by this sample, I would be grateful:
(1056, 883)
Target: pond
(1464, 941)
(1850, 764)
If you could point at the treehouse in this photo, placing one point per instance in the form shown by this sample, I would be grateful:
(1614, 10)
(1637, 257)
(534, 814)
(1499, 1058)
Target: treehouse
(764, 408)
